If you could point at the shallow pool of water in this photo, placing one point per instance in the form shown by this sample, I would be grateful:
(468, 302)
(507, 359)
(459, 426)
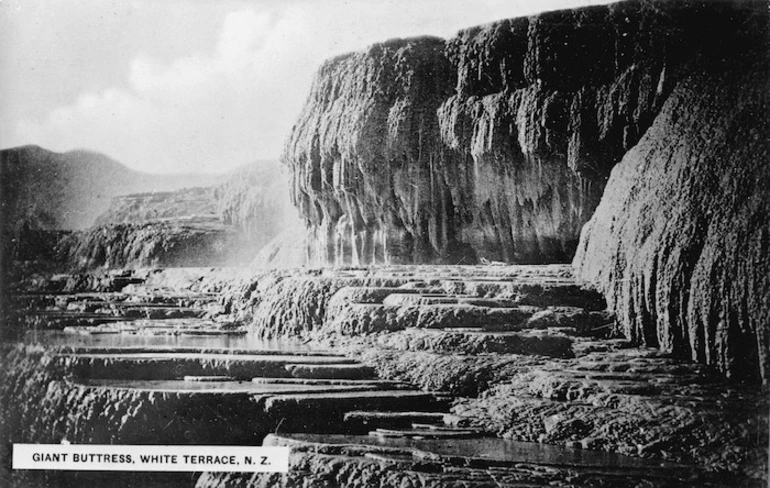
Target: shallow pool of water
(249, 341)
(249, 387)
(490, 449)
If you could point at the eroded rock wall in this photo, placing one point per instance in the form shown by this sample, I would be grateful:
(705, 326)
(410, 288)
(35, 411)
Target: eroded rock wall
(45, 195)
(679, 243)
(497, 143)
(152, 206)
(161, 243)
(216, 225)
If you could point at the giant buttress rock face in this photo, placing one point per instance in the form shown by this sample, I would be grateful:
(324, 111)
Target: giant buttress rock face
(680, 243)
(362, 150)
(494, 144)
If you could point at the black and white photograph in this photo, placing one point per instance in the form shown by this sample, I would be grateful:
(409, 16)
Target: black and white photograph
(384, 243)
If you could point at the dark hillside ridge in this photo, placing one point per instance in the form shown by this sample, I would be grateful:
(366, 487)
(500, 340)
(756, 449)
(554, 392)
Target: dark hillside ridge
(497, 143)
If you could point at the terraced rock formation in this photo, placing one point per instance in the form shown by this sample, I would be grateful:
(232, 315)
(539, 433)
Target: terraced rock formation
(45, 196)
(476, 375)
(194, 241)
(497, 143)
(157, 386)
(356, 461)
(83, 210)
(148, 207)
(214, 225)
(179, 228)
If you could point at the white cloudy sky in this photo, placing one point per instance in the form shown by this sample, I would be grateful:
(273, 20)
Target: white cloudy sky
(192, 85)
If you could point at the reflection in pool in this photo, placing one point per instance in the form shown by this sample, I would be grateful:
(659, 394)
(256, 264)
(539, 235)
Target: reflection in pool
(249, 341)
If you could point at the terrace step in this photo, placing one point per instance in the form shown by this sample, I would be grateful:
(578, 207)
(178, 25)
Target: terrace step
(181, 350)
(340, 418)
(314, 381)
(57, 319)
(337, 371)
(362, 421)
(521, 463)
(225, 388)
(426, 433)
(208, 379)
(170, 365)
(468, 340)
(303, 411)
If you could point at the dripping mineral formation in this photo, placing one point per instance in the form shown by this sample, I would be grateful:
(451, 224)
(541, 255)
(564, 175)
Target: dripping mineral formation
(495, 144)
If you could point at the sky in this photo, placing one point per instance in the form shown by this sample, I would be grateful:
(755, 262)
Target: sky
(193, 85)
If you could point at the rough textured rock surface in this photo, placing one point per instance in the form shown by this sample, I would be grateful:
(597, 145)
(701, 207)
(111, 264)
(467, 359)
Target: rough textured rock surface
(315, 462)
(218, 225)
(562, 385)
(44, 195)
(458, 374)
(177, 228)
(33, 381)
(679, 243)
(497, 143)
(631, 401)
(296, 304)
(152, 206)
(197, 241)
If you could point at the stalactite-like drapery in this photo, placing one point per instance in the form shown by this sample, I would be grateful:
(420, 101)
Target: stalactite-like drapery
(494, 144)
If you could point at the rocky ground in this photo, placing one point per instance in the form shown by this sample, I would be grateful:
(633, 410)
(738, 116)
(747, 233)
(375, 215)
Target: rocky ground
(388, 376)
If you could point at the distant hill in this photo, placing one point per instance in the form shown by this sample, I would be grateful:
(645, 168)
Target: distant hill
(47, 190)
